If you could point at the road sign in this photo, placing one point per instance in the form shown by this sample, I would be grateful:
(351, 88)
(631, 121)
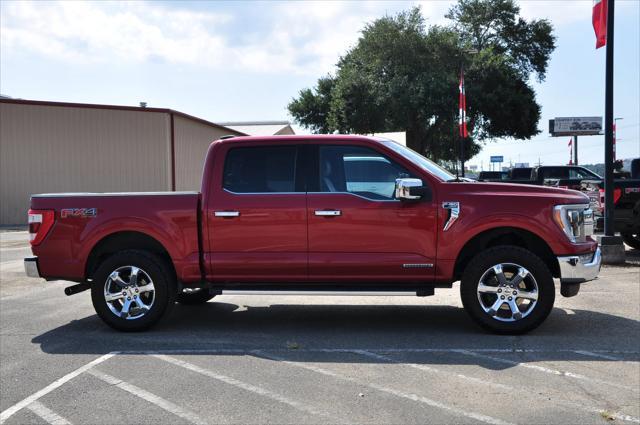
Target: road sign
(575, 126)
(497, 158)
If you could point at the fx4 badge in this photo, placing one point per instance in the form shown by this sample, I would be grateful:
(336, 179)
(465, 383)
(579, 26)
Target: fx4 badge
(78, 212)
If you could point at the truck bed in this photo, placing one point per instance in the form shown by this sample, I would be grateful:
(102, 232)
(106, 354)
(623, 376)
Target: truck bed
(83, 220)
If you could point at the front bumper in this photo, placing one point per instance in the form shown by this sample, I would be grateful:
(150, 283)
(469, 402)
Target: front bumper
(580, 268)
(31, 267)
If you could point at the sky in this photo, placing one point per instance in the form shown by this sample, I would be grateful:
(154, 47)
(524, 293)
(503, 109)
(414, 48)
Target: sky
(241, 61)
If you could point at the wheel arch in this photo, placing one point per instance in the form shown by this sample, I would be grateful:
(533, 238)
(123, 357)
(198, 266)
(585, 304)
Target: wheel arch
(506, 236)
(123, 240)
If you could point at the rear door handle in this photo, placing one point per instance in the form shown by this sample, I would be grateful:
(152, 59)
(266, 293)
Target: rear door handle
(226, 213)
(328, 213)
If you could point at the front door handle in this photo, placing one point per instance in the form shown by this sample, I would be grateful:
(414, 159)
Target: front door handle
(328, 213)
(226, 213)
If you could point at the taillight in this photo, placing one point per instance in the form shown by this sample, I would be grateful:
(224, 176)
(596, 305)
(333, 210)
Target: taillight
(40, 222)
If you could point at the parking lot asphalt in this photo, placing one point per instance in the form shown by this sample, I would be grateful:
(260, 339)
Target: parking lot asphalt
(291, 359)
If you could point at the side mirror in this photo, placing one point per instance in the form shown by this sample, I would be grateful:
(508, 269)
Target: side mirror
(412, 190)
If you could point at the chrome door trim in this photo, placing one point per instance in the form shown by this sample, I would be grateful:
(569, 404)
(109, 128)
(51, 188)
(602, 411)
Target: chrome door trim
(262, 193)
(328, 213)
(226, 213)
(417, 266)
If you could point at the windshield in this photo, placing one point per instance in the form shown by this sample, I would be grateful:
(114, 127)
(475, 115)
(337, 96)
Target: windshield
(419, 160)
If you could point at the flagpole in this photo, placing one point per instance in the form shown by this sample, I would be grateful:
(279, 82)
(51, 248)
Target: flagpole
(608, 125)
(464, 118)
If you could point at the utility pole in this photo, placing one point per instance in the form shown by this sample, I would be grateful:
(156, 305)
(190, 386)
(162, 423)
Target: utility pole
(615, 136)
(608, 125)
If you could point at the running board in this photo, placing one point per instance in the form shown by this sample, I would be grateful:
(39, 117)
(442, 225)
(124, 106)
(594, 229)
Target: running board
(322, 293)
(421, 291)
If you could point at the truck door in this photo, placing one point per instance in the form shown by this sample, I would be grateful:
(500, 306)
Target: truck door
(257, 225)
(357, 230)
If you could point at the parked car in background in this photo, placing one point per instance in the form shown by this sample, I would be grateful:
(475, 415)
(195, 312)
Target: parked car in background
(519, 174)
(493, 176)
(563, 176)
(626, 201)
(318, 215)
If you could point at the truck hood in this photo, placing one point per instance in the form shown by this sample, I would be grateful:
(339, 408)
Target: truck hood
(553, 195)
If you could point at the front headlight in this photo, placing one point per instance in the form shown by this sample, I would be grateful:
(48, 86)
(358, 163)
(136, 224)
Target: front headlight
(576, 221)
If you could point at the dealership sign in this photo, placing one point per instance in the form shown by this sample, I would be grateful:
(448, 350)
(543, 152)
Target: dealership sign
(497, 158)
(575, 126)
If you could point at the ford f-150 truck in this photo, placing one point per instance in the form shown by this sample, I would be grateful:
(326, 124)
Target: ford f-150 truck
(318, 215)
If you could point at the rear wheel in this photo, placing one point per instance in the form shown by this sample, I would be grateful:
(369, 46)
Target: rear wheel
(507, 290)
(631, 239)
(132, 290)
(194, 296)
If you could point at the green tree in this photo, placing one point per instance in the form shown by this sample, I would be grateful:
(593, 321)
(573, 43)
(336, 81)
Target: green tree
(403, 75)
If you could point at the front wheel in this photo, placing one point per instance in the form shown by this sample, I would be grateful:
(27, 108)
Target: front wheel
(132, 290)
(507, 290)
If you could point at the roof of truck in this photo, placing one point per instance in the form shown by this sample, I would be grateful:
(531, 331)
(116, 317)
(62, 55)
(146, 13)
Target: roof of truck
(303, 137)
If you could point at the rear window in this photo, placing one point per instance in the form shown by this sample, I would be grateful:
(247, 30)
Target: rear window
(521, 173)
(269, 169)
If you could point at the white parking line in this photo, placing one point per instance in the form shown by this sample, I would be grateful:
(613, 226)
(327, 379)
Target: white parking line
(7, 413)
(599, 355)
(508, 388)
(247, 387)
(430, 369)
(547, 370)
(409, 396)
(372, 349)
(150, 397)
(47, 414)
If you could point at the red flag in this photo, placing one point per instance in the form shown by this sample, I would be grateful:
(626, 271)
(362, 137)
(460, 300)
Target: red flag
(462, 121)
(570, 144)
(599, 19)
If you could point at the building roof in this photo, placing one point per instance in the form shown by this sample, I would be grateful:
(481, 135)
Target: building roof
(260, 128)
(122, 108)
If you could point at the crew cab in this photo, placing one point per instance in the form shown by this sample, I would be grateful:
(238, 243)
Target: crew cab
(330, 214)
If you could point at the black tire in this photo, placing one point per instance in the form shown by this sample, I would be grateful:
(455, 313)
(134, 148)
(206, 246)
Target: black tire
(154, 268)
(633, 240)
(194, 296)
(538, 270)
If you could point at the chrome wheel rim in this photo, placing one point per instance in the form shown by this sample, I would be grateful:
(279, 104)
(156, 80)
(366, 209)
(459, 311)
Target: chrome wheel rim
(129, 292)
(507, 292)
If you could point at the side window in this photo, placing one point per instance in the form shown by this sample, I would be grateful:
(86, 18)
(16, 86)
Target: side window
(555, 173)
(577, 173)
(266, 169)
(358, 170)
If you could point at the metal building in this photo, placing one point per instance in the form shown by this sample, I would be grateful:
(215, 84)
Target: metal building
(261, 128)
(70, 147)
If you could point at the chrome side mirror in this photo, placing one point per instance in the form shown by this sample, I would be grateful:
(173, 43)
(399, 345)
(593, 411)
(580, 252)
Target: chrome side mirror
(409, 189)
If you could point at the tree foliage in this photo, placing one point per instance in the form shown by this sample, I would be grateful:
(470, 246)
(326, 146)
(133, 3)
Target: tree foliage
(403, 76)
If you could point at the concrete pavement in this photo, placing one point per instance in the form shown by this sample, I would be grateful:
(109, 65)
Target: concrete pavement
(266, 359)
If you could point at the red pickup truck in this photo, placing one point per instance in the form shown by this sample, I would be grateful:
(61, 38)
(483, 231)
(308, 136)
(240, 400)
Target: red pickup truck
(318, 215)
